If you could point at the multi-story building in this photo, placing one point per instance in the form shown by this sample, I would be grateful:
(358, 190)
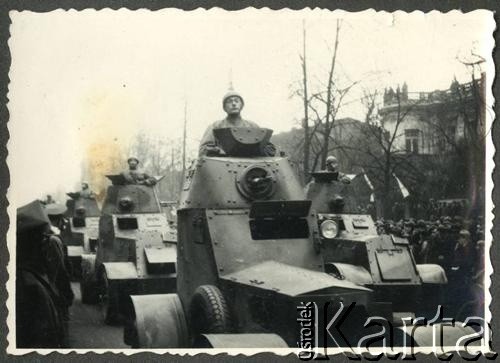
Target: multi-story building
(432, 123)
(439, 137)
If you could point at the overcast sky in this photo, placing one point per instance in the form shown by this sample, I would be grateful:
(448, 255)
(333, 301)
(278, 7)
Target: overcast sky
(98, 77)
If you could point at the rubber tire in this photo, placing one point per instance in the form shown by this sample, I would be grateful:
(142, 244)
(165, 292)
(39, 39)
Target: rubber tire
(108, 299)
(208, 311)
(89, 291)
(89, 288)
(130, 334)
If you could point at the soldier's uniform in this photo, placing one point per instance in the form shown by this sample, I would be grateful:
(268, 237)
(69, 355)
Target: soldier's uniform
(336, 175)
(39, 321)
(137, 176)
(86, 192)
(208, 140)
(58, 266)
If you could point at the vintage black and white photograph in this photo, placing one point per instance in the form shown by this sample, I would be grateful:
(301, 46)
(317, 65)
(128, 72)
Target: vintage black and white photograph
(296, 181)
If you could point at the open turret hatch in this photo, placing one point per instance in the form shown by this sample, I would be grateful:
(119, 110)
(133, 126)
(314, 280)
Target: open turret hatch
(242, 141)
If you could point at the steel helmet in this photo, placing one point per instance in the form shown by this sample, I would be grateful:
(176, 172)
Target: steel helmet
(232, 94)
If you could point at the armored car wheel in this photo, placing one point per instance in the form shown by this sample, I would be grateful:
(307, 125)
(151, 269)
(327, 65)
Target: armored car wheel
(89, 291)
(108, 298)
(157, 321)
(88, 286)
(208, 311)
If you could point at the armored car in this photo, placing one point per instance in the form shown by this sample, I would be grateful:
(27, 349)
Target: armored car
(352, 250)
(83, 229)
(136, 251)
(248, 254)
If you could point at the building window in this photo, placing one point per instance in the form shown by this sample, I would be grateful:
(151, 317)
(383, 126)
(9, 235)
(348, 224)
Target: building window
(412, 137)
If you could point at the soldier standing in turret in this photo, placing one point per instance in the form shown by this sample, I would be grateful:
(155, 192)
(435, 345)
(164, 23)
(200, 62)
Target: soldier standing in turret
(134, 175)
(332, 165)
(86, 192)
(232, 103)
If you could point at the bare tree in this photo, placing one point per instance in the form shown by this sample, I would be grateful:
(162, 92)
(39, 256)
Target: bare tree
(307, 140)
(162, 157)
(369, 101)
(384, 159)
(330, 100)
(464, 153)
(472, 106)
(151, 152)
(322, 102)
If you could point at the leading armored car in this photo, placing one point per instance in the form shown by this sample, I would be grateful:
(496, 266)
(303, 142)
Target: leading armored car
(248, 255)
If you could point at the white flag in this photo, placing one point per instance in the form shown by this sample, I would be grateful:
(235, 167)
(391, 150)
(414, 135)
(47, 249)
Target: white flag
(402, 188)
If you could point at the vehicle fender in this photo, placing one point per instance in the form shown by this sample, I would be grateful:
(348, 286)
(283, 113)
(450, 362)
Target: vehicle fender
(432, 274)
(75, 251)
(120, 270)
(239, 341)
(357, 274)
(160, 321)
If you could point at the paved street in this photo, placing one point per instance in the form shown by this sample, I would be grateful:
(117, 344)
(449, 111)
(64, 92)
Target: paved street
(86, 328)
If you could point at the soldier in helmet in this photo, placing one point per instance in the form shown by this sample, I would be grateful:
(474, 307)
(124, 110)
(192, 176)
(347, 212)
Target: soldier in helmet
(86, 192)
(332, 165)
(39, 322)
(59, 224)
(134, 175)
(48, 199)
(232, 103)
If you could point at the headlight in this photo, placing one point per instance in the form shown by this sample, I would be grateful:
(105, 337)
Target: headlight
(329, 229)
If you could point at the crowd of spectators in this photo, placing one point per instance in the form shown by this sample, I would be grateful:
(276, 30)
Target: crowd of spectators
(447, 241)
(429, 209)
(455, 243)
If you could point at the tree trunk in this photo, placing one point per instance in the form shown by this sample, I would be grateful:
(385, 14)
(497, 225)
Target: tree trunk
(306, 109)
(329, 103)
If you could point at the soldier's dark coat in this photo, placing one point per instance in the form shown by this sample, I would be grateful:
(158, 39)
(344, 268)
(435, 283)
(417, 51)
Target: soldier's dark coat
(38, 322)
(39, 303)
